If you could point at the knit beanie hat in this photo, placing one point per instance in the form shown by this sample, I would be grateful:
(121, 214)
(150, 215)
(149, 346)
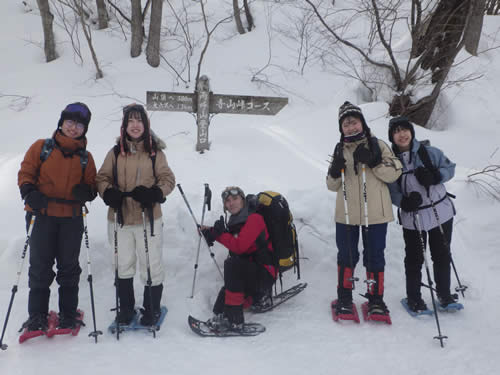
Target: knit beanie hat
(146, 136)
(349, 109)
(400, 122)
(78, 112)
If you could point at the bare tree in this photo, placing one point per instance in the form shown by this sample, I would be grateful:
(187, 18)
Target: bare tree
(439, 33)
(102, 14)
(48, 33)
(137, 29)
(237, 17)
(248, 15)
(153, 47)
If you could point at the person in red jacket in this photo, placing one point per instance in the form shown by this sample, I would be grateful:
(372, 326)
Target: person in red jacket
(55, 188)
(248, 270)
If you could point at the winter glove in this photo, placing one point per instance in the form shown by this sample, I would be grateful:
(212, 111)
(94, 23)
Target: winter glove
(147, 196)
(338, 162)
(411, 202)
(364, 156)
(209, 235)
(83, 193)
(219, 227)
(113, 198)
(36, 200)
(427, 177)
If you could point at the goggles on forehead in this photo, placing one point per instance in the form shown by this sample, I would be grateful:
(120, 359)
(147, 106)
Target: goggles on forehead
(233, 192)
(78, 109)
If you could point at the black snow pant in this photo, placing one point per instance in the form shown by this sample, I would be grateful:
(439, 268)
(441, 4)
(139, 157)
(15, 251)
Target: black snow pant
(440, 254)
(54, 240)
(242, 278)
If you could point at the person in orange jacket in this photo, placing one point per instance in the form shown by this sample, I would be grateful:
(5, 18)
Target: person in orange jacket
(56, 178)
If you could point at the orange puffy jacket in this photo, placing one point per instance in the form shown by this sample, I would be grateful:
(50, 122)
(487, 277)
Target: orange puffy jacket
(56, 176)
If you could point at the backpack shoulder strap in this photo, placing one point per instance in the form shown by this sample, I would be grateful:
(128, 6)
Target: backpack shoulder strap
(48, 146)
(424, 156)
(116, 151)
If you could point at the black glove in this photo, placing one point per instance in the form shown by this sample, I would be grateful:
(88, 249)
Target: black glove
(338, 162)
(83, 193)
(427, 177)
(365, 156)
(147, 196)
(113, 198)
(209, 235)
(411, 202)
(219, 227)
(36, 200)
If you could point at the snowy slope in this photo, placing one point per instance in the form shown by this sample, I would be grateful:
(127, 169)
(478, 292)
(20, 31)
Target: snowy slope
(287, 153)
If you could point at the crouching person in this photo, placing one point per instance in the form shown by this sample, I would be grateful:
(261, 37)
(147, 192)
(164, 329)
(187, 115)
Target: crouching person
(133, 180)
(249, 270)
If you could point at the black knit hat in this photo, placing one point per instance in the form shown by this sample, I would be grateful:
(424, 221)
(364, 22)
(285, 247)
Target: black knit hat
(78, 112)
(349, 109)
(400, 122)
(149, 144)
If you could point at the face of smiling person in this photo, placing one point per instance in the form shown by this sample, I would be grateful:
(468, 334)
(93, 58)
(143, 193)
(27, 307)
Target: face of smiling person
(72, 128)
(135, 126)
(402, 138)
(351, 125)
(234, 204)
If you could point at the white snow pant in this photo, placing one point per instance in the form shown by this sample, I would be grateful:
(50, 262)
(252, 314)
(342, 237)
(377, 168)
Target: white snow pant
(131, 246)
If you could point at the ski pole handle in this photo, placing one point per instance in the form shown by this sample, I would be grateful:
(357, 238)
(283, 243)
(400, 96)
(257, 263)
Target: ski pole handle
(208, 197)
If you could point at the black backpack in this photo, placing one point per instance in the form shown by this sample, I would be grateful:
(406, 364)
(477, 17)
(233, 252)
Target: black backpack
(279, 222)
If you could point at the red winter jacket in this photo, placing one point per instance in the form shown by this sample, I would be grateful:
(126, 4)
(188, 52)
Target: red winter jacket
(244, 243)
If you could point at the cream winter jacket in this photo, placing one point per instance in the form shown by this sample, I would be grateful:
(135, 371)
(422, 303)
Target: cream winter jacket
(378, 197)
(134, 169)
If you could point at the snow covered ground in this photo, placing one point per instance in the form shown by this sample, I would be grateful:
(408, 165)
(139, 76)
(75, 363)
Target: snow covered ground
(287, 153)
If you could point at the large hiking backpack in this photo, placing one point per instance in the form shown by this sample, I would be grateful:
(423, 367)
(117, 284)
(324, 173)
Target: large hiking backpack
(279, 222)
(50, 143)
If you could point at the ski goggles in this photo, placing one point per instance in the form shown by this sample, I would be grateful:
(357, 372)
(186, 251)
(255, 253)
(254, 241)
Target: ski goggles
(232, 191)
(77, 109)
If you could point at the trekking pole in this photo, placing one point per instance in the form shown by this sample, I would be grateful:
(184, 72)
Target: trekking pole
(117, 308)
(95, 333)
(369, 282)
(149, 281)
(439, 337)
(460, 288)
(206, 203)
(14, 288)
(346, 211)
(212, 255)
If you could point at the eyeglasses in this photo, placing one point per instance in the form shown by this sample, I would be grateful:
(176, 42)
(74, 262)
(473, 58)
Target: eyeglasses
(78, 109)
(74, 124)
(231, 191)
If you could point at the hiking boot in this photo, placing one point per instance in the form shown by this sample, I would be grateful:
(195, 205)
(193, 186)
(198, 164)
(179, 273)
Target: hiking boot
(126, 317)
(263, 303)
(344, 307)
(71, 322)
(36, 322)
(447, 300)
(148, 319)
(416, 305)
(377, 306)
(221, 323)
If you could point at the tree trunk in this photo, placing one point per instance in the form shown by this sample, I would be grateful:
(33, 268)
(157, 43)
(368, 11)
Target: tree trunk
(102, 14)
(153, 48)
(473, 31)
(136, 27)
(237, 17)
(48, 33)
(248, 14)
(86, 31)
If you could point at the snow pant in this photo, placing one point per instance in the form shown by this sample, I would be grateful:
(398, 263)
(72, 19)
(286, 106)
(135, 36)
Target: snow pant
(242, 277)
(347, 238)
(54, 240)
(131, 246)
(440, 254)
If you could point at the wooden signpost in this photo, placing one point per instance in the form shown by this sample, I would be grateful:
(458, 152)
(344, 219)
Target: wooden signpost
(204, 103)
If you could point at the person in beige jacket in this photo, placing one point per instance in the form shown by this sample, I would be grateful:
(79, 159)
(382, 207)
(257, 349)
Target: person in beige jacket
(133, 180)
(358, 151)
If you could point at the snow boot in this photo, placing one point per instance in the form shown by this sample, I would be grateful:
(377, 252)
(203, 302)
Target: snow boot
(149, 318)
(127, 301)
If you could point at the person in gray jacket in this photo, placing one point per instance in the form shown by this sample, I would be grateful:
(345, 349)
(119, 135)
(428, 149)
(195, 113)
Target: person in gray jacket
(417, 191)
(360, 155)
